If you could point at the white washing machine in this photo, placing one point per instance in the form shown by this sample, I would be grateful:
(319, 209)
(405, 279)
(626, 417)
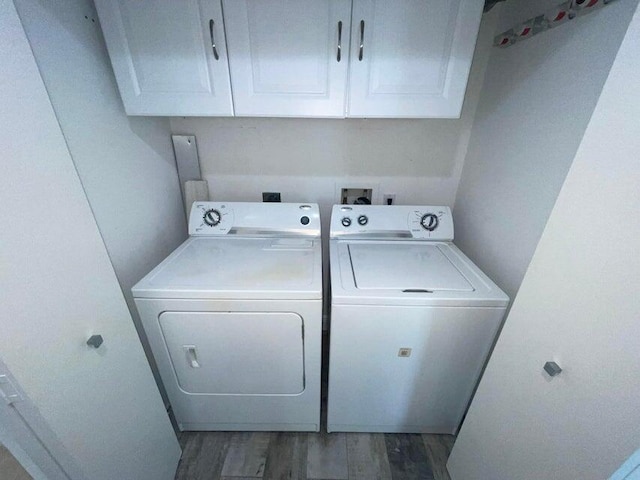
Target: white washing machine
(234, 318)
(412, 321)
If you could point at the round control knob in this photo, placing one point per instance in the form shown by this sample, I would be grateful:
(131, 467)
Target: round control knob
(304, 220)
(429, 221)
(212, 217)
(363, 220)
(346, 222)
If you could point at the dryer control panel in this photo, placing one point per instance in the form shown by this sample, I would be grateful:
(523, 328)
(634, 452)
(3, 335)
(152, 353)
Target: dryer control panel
(254, 219)
(393, 221)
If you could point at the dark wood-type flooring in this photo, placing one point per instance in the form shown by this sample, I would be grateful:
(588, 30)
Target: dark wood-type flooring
(10, 469)
(274, 455)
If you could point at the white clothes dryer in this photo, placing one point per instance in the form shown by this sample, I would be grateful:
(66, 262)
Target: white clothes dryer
(412, 321)
(234, 318)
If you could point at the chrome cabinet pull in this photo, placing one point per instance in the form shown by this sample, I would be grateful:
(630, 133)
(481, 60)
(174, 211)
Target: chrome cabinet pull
(339, 56)
(213, 40)
(361, 40)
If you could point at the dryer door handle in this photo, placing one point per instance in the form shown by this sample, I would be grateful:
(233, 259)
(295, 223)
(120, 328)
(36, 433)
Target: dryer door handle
(192, 355)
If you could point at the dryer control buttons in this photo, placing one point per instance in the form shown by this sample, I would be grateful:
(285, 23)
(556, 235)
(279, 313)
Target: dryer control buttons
(429, 221)
(346, 222)
(212, 217)
(363, 220)
(304, 220)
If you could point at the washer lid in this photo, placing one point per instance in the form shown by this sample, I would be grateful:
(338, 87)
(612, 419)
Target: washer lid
(422, 266)
(216, 267)
(399, 272)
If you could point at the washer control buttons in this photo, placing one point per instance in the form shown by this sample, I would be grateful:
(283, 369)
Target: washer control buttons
(429, 221)
(363, 220)
(212, 217)
(346, 222)
(304, 220)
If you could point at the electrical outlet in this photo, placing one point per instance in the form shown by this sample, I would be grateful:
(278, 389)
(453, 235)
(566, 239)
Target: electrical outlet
(404, 352)
(271, 196)
(389, 199)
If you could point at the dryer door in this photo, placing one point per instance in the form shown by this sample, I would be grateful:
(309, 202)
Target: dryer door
(235, 352)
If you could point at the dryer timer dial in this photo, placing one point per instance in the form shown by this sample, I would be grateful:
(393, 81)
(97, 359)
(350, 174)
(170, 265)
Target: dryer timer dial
(212, 217)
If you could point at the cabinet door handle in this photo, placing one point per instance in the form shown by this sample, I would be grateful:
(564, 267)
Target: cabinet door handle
(339, 55)
(213, 40)
(360, 55)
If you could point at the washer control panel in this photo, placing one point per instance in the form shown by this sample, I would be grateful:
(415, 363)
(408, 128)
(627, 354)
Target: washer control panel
(255, 219)
(393, 221)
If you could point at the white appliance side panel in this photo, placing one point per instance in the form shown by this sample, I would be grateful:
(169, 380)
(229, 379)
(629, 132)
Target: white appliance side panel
(235, 352)
(374, 389)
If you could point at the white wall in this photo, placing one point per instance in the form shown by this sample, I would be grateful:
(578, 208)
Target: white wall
(126, 164)
(579, 306)
(536, 101)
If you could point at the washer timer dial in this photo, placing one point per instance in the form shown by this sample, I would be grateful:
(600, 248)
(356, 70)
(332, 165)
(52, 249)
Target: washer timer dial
(212, 217)
(429, 221)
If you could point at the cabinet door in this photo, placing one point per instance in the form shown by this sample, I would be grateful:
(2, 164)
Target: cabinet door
(163, 56)
(411, 58)
(288, 58)
(99, 406)
(578, 306)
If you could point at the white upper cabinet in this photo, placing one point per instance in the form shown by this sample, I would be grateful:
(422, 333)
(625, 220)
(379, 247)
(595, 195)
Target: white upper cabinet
(411, 58)
(292, 58)
(169, 57)
(288, 57)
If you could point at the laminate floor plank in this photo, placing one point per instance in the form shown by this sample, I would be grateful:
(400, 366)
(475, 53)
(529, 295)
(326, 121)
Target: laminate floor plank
(246, 455)
(10, 468)
(438, 449)
(367, 456)
(407, 457)
(449, 440)
(203, 455)
(237, 478)
(183, 438)
(327, 456)
(287, 457)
